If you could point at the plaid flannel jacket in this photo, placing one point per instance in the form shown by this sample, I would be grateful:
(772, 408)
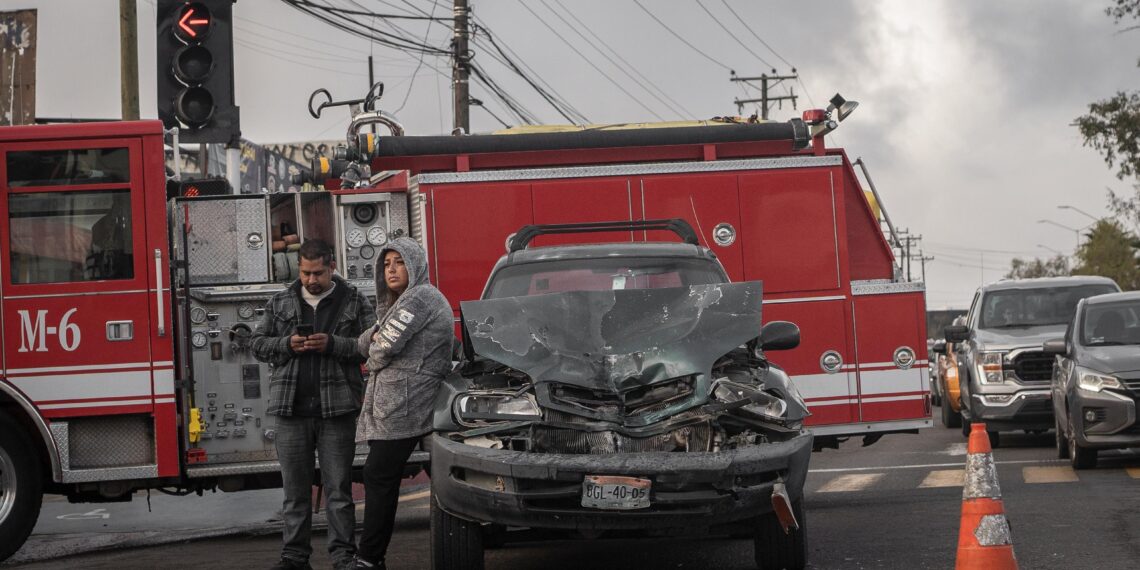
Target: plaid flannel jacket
(342, 385)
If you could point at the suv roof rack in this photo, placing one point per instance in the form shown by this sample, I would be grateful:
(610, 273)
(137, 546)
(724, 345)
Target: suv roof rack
(676, 225)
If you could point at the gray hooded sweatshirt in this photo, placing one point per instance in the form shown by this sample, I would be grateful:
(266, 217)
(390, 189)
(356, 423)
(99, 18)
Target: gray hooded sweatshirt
(413, 353)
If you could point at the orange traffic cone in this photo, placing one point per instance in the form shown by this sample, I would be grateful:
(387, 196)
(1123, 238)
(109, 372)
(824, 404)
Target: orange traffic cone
(983, 538)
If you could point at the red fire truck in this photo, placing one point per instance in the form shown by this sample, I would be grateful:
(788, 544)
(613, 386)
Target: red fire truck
(126, 314)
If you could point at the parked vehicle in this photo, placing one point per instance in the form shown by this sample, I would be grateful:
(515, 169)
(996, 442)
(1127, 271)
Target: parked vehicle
(619, 387)
(1005, 375)
(1096, 378)
(944, 380)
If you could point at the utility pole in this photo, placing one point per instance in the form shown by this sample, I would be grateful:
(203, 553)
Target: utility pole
(129, 59)
(924, 259)
(460, 91)
(766, 82)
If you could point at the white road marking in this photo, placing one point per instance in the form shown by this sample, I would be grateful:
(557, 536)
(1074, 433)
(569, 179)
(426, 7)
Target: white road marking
(847, 483)
(956, 449)
(95, 514)
(928, 466)
(944, 478)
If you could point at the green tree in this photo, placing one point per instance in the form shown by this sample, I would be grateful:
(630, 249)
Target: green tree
(1036, 267)
(1112, 126)
(1110, 250)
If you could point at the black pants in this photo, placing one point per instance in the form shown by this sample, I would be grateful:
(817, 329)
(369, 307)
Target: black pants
(382, 473)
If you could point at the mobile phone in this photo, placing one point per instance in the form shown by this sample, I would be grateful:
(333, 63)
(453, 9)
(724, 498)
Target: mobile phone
(304, 330)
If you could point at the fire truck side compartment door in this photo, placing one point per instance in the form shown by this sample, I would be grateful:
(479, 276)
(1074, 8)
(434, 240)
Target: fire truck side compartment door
(705, 201)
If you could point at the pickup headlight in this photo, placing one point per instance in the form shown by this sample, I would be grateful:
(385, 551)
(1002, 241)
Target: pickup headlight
(1095, 382)
(471, 407)
(990, 368)
(761, 403)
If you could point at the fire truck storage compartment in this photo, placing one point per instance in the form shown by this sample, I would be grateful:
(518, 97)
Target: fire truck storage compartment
(223, 239)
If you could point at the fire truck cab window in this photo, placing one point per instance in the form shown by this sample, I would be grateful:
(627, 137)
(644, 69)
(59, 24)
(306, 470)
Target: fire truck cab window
(68, 167)
(60, 237)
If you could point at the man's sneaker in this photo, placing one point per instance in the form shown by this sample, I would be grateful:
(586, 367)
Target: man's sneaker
(290, 564)
(361, 564)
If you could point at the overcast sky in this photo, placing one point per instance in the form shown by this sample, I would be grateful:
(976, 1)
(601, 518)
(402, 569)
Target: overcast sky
(965, 106)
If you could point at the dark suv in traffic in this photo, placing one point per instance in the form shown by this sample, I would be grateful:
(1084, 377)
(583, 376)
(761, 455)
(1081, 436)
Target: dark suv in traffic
(1004, 373)
(618, 389)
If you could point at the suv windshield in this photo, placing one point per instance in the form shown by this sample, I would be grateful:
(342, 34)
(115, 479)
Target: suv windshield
(1015, 308)
(602, 275)
(1111, 324)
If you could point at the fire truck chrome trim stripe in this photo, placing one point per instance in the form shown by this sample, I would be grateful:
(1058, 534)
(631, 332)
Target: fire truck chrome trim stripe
(877, 287)
(158, 292)
(91, 368)
(804, 299)
(871, 427)
(628, 169)
(110, 474)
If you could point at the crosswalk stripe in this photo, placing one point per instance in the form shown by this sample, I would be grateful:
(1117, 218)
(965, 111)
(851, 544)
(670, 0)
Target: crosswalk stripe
(944, 478)
(1133, 472)
(1049, 474)
(846, 483)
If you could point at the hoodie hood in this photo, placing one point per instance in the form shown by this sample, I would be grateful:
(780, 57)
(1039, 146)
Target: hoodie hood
(415, 260)
(617, 339)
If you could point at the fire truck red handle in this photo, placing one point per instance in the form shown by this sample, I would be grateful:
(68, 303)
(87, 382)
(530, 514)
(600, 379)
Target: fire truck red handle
(158, 292)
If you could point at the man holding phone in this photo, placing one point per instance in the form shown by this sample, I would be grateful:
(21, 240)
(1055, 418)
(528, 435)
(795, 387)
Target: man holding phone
(308, 336)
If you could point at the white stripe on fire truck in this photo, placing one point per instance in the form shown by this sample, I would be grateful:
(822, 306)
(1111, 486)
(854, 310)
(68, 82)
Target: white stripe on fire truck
(163, 382)
(94, 404)
(85, 386)
(804, 299)
(88, 367)
(894, 398)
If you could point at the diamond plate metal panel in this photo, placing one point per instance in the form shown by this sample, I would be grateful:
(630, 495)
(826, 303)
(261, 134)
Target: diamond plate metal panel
(398, 217)
(885, 287)
(226, 240)
(110, 441)
(629, 169)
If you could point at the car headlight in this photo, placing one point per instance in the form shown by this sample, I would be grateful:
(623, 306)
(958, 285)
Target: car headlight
(1095, 382)
(760, 403)
(470, 407)
(990, 369)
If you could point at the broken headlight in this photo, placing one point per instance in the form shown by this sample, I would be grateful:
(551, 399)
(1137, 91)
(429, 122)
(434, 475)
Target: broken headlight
(750, 399)
(472, 408)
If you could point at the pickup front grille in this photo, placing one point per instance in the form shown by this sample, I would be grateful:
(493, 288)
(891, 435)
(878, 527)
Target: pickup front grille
(1034, 366)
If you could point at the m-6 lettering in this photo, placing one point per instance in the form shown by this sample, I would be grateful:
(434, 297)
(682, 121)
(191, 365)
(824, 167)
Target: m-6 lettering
(33, 334)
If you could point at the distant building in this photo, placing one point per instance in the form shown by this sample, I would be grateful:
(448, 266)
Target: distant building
(939, 319)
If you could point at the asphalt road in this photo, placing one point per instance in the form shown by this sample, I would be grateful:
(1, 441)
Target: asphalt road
(893, 505)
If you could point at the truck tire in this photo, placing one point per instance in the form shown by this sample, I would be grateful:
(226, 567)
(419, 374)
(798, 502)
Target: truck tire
(21, 487)
(950, 418)
(456, 544)
(777, 550)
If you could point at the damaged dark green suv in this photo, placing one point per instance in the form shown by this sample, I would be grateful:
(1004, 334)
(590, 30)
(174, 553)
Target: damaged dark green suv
(618, 388)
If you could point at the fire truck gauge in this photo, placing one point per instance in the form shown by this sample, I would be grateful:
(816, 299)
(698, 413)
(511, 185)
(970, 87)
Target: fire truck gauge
(367, 252)
(198, 315)
(377, 236)
(354, 238)
(245, 311)
(364, 214)
(199, 340)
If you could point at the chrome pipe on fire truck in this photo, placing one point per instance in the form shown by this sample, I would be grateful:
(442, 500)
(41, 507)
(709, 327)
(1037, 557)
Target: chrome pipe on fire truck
(371, 117)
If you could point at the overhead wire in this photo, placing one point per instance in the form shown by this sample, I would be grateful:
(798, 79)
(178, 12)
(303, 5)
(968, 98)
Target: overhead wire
(753, 32)
(679, 37)
(733, 36)
(552, 98)
(345, 23)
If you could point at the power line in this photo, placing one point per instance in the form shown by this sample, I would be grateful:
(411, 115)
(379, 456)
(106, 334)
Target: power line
(749, 28)
(551, 97)
(678, 36)
(733, 36)
(588, 61)
(360, 12)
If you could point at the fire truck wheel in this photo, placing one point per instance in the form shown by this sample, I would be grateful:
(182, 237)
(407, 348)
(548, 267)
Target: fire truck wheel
(950, 418)
(21, 487)
(456, 544)
(776, 549)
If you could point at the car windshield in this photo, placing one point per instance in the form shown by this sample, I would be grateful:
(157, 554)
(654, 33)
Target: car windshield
(1110, 324)
(602, 275)
(1019, 308)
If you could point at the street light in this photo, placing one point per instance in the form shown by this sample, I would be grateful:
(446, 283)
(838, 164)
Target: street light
(1076, 209)
(1074, 230)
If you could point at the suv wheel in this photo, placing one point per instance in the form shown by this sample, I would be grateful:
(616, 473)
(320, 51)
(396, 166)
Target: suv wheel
(1080, 457)
(776, 549)
(950, 418)
(456, 544)
(1062, 443)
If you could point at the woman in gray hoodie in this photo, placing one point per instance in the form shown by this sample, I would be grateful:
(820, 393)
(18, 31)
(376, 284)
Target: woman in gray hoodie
(409, 352)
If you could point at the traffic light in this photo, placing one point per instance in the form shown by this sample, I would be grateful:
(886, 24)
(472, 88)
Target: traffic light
(196, 70)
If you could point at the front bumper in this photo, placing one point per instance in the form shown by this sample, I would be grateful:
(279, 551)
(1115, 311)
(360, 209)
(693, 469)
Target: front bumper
(1026, 409)
(1116, 425)
(544, 490)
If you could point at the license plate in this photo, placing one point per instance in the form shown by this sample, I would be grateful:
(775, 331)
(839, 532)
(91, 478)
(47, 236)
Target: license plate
(615, 493)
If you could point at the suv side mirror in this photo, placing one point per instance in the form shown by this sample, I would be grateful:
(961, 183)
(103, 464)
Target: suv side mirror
(957, 333)
(779, 335)
(1055, 346)
(939, 347)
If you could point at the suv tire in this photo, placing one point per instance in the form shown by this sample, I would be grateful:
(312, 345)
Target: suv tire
(456, 544)
(1081, 457)
(776, 549)
(1062, 442)
(950, 418)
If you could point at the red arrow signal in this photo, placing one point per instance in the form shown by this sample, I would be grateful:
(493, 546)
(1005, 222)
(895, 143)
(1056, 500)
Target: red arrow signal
(193, 23)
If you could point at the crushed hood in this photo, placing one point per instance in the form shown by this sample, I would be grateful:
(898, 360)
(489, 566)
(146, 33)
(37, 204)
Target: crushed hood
(615, 339)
